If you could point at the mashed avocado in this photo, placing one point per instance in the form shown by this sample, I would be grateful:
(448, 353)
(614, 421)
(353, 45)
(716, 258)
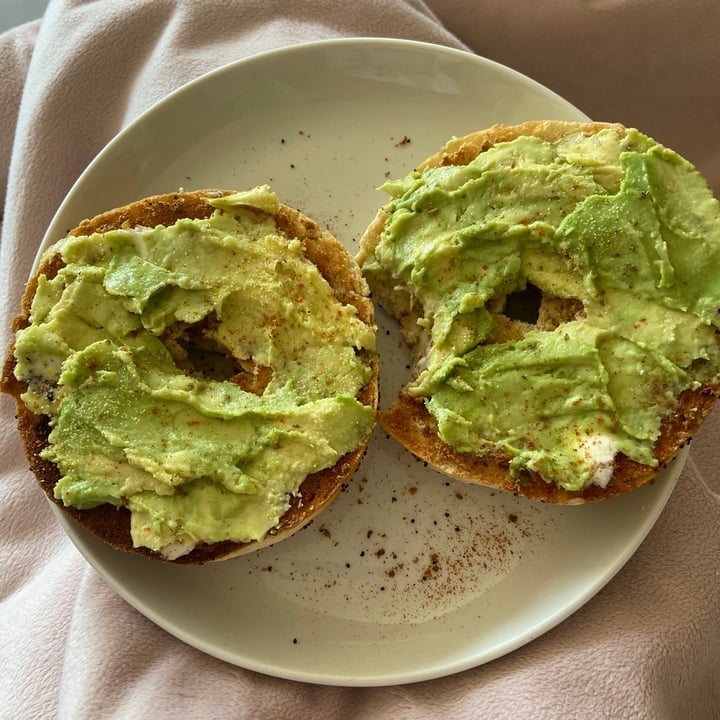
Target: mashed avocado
(625, 229)
(195, 373)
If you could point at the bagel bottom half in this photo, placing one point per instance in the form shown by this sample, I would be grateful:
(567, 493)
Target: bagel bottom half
(559, 284)
(176, 358)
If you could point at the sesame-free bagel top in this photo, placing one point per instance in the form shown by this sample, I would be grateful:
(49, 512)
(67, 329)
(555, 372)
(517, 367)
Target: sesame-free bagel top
(195, 371)
(560, 283)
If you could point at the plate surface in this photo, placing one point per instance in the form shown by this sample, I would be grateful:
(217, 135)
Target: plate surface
(409, 575)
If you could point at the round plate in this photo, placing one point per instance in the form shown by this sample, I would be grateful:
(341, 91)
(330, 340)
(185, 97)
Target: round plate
(409, 575)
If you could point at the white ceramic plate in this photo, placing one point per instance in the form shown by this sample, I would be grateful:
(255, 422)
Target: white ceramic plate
(408, 576)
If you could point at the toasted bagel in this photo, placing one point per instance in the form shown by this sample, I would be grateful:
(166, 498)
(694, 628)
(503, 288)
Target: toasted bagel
(111, 523)
(396, 278)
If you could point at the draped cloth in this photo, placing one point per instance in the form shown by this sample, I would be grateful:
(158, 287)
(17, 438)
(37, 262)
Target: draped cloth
(647, 646)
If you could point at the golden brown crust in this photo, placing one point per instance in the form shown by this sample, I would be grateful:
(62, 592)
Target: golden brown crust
(410, 423)
(111, 524)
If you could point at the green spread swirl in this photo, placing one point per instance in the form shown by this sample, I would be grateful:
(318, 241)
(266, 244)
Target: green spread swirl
(623, 226)
(112, 353)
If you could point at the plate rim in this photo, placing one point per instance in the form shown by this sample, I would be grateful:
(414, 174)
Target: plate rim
(80, 539)
(50, 234)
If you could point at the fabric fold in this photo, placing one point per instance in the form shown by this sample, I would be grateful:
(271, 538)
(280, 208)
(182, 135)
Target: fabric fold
(645, 647)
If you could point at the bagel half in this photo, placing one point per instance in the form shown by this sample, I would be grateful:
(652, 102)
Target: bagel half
(111, 522)
(412, 272)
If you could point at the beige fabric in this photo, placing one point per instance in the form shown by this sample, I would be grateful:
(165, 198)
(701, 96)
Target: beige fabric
(643, 63)
(645, 647)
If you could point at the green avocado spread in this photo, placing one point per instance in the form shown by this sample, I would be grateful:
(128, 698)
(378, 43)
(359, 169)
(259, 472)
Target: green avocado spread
(195, 373)
(624, 230)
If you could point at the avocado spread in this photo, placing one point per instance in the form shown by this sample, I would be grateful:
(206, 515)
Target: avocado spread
(144, 348)
(624, 229)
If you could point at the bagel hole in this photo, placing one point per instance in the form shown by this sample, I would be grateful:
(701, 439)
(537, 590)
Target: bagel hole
(197, 352)
(531, 307)
(524, 305)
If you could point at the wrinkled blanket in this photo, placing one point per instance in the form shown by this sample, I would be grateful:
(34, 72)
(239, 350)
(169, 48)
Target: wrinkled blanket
(647, 646)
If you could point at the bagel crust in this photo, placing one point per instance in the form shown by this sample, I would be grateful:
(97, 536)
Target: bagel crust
(111, 523)
(396, 279)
